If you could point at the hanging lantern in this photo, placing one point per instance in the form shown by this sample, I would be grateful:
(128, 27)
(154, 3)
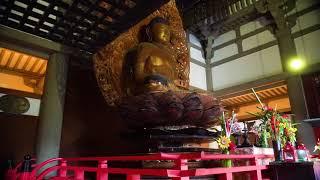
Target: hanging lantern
(289, 153)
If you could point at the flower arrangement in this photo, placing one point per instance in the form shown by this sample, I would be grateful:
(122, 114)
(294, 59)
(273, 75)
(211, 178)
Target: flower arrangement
(224, 141)
(274, 125)
(236, 127)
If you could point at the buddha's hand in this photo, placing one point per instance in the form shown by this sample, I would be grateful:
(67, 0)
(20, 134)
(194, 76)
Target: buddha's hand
(155, 86)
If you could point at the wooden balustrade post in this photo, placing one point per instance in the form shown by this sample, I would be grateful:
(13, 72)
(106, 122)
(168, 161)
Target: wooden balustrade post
(62, 171)
(256, 175)
(102, 173)
(226, 176)
(181, 164)
(79, 174)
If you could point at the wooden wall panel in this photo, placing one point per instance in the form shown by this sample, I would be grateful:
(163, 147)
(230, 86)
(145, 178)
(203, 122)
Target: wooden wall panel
(90, 127)
(311, 84)
(17, 137)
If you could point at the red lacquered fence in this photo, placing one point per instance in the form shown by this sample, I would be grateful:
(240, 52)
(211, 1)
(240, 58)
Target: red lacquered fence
(180, 171)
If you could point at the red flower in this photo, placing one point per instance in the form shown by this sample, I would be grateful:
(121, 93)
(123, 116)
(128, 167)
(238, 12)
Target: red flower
(301, 146)
(267, 108)
(274, 123)
(285, 116)
(288, 147)
(232, 146)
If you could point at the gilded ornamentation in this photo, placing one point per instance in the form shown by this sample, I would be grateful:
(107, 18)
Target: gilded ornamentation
(110, 62)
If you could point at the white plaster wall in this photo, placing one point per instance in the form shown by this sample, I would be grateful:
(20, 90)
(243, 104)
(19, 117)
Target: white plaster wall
(249, 27)
(224, 38)
(196, 54)
(34, 106)
(266, 62)
(248, 68)
(307, 20)
(194, 40)
(224, 52)
(308, 47)
(308, 44)
(198, 76)
(271, 61)
(303, 4)
(257, 40)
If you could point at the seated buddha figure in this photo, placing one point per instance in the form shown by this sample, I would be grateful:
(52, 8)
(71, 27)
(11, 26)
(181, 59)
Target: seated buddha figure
(156, 100)
(154, 66)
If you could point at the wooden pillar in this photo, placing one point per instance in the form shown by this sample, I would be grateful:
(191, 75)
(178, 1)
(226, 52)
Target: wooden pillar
(295, 87)
(51, 109)
(287, 49)
(208, 54)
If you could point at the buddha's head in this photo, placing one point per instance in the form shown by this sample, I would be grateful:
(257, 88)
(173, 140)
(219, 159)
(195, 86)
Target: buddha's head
(159, 30)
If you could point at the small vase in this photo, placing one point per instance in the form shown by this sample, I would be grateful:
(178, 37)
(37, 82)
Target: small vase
(277, 150)
(226, 162)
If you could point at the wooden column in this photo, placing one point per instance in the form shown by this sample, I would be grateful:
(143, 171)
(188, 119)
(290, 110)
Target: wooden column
(208, 56)
(51, 109)
(295, 87)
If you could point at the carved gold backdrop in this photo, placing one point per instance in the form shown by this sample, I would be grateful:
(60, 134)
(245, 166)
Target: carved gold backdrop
(109, 62)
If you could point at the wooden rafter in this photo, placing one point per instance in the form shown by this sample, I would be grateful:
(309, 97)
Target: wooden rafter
(17, 62)
(85, 25)
(265, 94)
(15, 59)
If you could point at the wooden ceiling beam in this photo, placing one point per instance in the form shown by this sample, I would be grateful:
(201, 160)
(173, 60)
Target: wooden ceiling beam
(20, 72)
(45, 17)
(17, 62)
(57, 20)
(9, 59)
(237, 105)
(1, 55)
(26, 63)
(34, 64)
(43, 65)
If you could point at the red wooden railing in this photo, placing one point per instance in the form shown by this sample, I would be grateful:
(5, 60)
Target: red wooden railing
(65, 170)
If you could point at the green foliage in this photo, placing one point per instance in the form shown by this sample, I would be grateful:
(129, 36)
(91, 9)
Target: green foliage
(275, 125)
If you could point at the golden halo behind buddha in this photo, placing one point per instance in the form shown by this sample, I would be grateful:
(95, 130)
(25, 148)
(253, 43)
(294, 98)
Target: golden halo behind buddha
(110, 62)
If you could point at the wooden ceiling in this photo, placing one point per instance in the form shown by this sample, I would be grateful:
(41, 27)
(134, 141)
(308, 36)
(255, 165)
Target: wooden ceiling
(83, 24)
(17, 63)
(213, 17)
(264, 95)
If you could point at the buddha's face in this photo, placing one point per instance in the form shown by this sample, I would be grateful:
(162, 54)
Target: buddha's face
(160, 33)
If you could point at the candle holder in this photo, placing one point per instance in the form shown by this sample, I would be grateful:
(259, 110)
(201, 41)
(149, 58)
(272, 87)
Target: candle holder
(246, 142)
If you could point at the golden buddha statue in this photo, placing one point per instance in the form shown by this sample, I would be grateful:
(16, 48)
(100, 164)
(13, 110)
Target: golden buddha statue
(154, 64)
(148, 80)
(155, 98)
